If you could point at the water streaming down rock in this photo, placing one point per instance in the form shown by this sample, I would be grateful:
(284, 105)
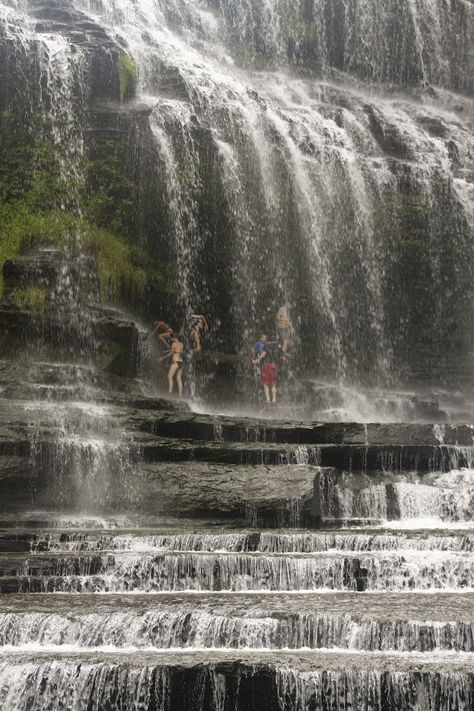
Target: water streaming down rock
(75, 453)
(281, 179)
(411, 43)
(262, 155)
(57, 91)
(398, 570)
(159, 687)
(301, 691)
(167, 629)
(253, 541)
(435, 497)
(243, 604)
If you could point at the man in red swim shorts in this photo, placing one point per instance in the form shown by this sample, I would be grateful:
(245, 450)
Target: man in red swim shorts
(269, 373)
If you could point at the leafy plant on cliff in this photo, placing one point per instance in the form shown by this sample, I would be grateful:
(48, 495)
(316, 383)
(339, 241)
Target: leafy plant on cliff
(118, 263)
(31, 298)
(112, 193)
(128, 74)
(30, 164)
(38, 206)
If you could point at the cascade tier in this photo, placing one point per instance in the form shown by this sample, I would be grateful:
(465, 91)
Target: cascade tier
(227, 562)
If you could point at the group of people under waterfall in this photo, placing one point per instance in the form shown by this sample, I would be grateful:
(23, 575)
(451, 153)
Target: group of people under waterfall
(174, 344)
(267, 354)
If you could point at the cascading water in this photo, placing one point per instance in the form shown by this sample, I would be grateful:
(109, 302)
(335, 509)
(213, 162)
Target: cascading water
(59, 95)
(57, 99)
(343, 172)
(310, 153)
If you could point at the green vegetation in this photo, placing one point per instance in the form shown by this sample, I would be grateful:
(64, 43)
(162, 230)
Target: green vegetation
(118, 263)
(38, 206)
(120, 266)
(30, 166)
(128, 74)
(31, 298)
(112, 193)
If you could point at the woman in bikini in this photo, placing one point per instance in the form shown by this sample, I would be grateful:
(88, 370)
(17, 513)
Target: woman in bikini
(176, 364)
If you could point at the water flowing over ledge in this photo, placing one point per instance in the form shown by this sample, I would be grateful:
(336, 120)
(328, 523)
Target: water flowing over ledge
(347, 162)
(227, 156)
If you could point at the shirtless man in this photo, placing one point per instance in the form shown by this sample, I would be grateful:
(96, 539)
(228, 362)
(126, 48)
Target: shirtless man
(199, 326)
(284, 327)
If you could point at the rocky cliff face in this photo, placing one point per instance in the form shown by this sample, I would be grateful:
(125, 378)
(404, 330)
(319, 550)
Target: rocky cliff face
(238, 154)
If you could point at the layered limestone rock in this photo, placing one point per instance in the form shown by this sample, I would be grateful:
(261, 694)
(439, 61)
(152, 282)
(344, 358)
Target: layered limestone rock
(52, 300)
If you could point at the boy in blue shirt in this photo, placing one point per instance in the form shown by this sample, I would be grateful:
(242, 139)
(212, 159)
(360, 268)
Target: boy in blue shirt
(259, 347)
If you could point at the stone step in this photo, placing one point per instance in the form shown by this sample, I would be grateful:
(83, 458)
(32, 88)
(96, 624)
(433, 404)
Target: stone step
(396, 458)
(104, 478)
(424, 606)
(101, 478)
(227, 429)
(374, 622)
(52, 521)
(187, 536)
(405, 570)
(243, 681)
(57, 406)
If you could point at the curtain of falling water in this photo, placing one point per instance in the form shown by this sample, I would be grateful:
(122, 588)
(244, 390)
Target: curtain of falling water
(285, 186)
(282, 188)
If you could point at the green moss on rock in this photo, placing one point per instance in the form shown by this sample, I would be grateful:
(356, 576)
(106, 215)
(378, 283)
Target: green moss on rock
(30, 298)
(118, 264)
(128, 74)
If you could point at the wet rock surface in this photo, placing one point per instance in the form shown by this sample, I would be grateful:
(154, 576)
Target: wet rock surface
(159, 556)
(221, 533)
(152, 557)
(52, 300)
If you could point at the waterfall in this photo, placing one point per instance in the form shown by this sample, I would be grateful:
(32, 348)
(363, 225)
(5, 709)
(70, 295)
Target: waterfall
(238, 155)
(165, 629)
(436, 498)
(66, 683)
(263, 542)
(262, 164)
(300, 690)
(408, 42)
(56, 72)
(404, 570)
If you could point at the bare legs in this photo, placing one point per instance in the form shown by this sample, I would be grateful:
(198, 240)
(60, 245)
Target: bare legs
(179, 379)
(197, 339)
(273, 391)
(175, 370)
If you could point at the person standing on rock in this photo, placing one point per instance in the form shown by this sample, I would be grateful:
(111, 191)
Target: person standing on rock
(199, 327)
(175, 356)
(284, 328)
(267, 359)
